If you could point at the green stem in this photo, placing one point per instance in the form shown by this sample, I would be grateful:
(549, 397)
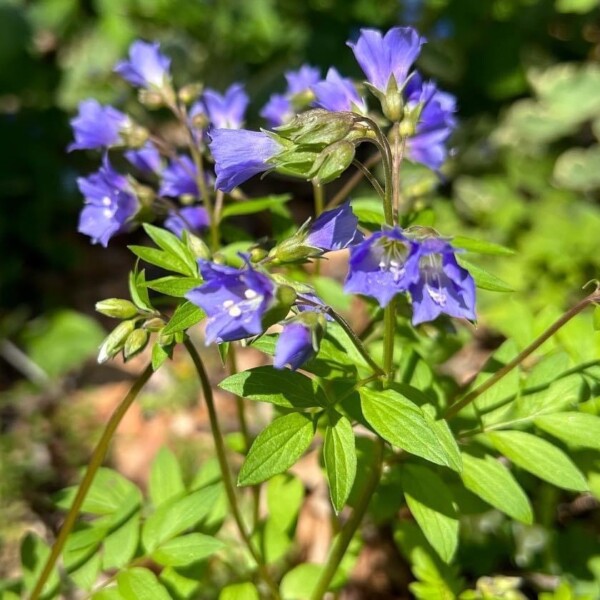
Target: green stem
(515, 362)
(370, 177)
(241, 413)
(389, 339)
(357, 343)
(343, 540)
(352, 182)
(95, 462)
(319, 197)
(224, 467)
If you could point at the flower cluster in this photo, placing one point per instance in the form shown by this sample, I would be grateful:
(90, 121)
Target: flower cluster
(318, 122)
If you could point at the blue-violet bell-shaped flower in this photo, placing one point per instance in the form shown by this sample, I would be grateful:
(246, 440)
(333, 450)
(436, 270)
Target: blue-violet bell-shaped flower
(382, 266)
(189, 218)
(147, 65)
(110, 204)
(302, 80)
(334, 229)
(278, 110)
(179, 178)
(337, 93)
(298, 342)
(240, 154)
(442, 286)
(437, 121)
(384, 56)
(235, 301)
(146, 159)
(97, 126)
(228, 110)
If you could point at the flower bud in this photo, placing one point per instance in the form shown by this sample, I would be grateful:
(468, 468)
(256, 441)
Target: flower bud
(200, 121)
(392, 104)
(155, 324)
(285, 296)
(318, 126)
(135, 136)
(188, 93)
(117, 308)
(257, 254)
(136, 341)
(332, 162)
(151, 98)
(115, 340)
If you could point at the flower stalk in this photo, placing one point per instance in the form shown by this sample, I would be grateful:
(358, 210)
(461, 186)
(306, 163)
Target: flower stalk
(95, 463)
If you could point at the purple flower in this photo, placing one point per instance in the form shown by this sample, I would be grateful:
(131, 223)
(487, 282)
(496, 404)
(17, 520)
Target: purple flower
(97, 126)
(226, 111)
(110, 204)
(240, 154)
(235, 301)
(382, 266)
(383, 56)
(443, 286)
(147, 65)
(436, 122)
(337, 93)
(296, 345)
(190, 218)
(145, 159)
(334, 229)
(302, 80)
(278, 110)
(179, 178)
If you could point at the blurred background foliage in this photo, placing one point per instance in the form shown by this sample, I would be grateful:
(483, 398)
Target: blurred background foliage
(525, 172)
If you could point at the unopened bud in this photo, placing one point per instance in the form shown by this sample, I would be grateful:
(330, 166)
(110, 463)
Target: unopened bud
(151, 98)
(285, 297)
(155, 324)
(257, 254)
(188, 93)
(392, 103)
(200, 121)
(115, 340)
(117, 308)
(136, 341)
(332, 162)
(135, 136)
(318, 126)
(166, 339)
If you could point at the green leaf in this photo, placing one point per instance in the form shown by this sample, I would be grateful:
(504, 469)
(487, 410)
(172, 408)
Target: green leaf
(166, 480)
(299, 582)
(109, 493)
(138, 290)
(480, 246)
(120, 545)
(540, 458)
(431, 504)
(403, 424)
(339, 454)
(159, 355)
(162, 259)
(111, 593)
(239, 591)
(173, 285)
(483, 279)
(137, 583)
(576, 6)
(281, 387)
(446, 438)
(492, 481)
(277, 448)
(186, 550)
(86, 575)
(178, 515)
(248, 207)
(574, 428)
(597, 318)
(185, 315)
(34, 553)
(171, 244)
(285, 494)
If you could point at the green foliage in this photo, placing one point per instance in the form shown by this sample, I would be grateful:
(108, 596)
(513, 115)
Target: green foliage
(277, 448)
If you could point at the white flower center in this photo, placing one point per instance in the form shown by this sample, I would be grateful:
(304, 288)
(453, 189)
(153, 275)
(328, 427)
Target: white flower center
(433, 273)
